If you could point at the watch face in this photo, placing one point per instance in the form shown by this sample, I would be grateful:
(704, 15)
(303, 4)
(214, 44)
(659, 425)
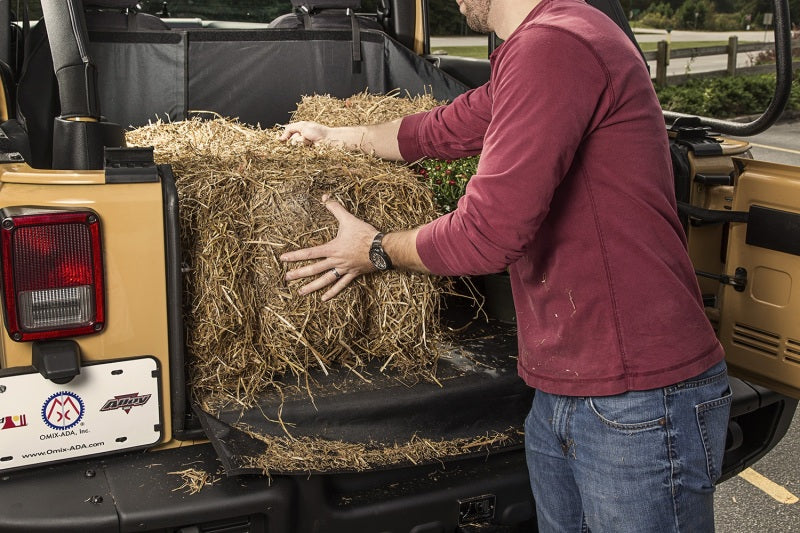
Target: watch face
(378, 260)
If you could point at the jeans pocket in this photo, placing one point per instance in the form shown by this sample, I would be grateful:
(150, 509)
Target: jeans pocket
(630, 411)
(712, 421)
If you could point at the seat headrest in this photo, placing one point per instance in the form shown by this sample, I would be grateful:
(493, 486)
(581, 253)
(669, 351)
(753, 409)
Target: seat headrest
(113, 4)
(313, 5)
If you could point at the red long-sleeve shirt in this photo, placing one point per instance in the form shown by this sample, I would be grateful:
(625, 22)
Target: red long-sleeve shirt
(574, 194)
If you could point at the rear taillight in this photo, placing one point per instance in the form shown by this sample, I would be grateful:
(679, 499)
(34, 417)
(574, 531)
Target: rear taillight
(52, 273)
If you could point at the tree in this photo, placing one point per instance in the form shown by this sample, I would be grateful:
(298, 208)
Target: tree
(694, 14)
(444, 18)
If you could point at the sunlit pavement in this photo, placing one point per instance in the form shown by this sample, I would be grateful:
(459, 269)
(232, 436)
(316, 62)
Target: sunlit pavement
(649, 36)
(765, 498)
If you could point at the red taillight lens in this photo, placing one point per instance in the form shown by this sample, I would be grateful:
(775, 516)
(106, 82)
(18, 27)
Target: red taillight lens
(52, 274)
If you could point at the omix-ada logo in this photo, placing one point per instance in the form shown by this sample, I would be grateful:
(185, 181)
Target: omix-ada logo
(62, 410)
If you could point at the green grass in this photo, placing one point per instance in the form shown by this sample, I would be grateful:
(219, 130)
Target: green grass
(480, 52)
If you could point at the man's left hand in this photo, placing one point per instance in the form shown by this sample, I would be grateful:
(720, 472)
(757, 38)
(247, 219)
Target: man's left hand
(340, 260)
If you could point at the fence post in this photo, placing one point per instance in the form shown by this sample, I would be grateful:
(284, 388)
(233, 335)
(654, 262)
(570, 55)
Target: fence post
(662, 60)
(733, 50)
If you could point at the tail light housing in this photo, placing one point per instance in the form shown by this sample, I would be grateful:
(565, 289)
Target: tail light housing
(52, 263)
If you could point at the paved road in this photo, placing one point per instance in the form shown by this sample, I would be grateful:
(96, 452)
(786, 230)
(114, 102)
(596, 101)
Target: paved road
(641, 36)
(652, 36)
(779, 144)
(676, 66)
(743, 507)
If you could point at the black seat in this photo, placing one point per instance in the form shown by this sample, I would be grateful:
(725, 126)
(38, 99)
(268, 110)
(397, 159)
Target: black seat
(120, 15)
(37, 100)
(329, 15)
(325, 15)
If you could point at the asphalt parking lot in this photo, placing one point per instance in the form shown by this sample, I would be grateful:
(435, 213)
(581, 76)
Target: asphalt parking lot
(779, 144)
(769, 502)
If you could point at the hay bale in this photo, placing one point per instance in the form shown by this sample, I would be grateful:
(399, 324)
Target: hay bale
(245, 198)
(362, 108)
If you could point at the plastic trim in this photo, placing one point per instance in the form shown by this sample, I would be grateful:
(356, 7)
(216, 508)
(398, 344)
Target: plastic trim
(172, 256)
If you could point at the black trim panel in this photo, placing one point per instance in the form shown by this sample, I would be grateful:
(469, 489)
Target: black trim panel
(774, 229)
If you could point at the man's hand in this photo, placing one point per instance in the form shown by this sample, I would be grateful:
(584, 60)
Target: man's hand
(341, 260)
(305, 132)
(378, 139)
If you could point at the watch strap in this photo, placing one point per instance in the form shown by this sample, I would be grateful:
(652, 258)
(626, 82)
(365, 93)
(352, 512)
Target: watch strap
(377, 248)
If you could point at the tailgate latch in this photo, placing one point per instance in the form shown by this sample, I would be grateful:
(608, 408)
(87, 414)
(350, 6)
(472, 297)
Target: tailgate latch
(477, 509)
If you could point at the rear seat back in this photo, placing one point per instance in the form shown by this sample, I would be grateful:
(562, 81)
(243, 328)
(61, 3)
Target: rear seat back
(325, 15)
(37, 91)
(120, 15)
(146, 72)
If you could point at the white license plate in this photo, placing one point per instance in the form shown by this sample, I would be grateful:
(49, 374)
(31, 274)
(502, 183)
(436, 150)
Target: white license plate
(108, 407)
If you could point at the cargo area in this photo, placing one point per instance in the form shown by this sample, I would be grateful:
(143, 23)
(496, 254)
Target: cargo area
(473, 394)
(144, 76)
(476, 395)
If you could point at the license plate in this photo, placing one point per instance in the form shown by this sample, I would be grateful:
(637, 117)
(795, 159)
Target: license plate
(107, 408)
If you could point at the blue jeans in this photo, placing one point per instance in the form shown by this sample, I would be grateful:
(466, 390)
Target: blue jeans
(642, 461)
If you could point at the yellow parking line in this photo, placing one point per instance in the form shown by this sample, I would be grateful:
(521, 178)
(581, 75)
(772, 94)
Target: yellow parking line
(778, 148)
(771, 488)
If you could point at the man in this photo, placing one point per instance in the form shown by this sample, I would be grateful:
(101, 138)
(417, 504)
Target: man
(573, 194)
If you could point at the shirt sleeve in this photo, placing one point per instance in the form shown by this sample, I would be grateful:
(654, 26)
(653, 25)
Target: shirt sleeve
(547, 89)
(447, 132)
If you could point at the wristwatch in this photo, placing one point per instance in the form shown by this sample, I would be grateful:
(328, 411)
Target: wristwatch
(378, 256)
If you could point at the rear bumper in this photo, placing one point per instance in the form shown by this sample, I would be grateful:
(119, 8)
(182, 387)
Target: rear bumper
(141, 491)
(759, 419)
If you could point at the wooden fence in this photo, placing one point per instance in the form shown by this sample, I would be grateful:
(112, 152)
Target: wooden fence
(663, 55)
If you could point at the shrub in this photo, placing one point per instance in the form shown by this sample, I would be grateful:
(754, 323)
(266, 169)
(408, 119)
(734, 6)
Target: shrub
(726, 97)
(725, 22)
(657, 15)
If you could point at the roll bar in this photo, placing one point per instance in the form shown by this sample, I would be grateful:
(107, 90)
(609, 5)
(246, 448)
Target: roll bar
(80, 135)
(75, 72)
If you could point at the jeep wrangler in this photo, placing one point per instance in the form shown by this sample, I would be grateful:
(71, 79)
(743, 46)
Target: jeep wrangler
(95, 418)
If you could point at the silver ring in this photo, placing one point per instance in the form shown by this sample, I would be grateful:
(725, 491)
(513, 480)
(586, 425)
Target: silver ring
(336, 273)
